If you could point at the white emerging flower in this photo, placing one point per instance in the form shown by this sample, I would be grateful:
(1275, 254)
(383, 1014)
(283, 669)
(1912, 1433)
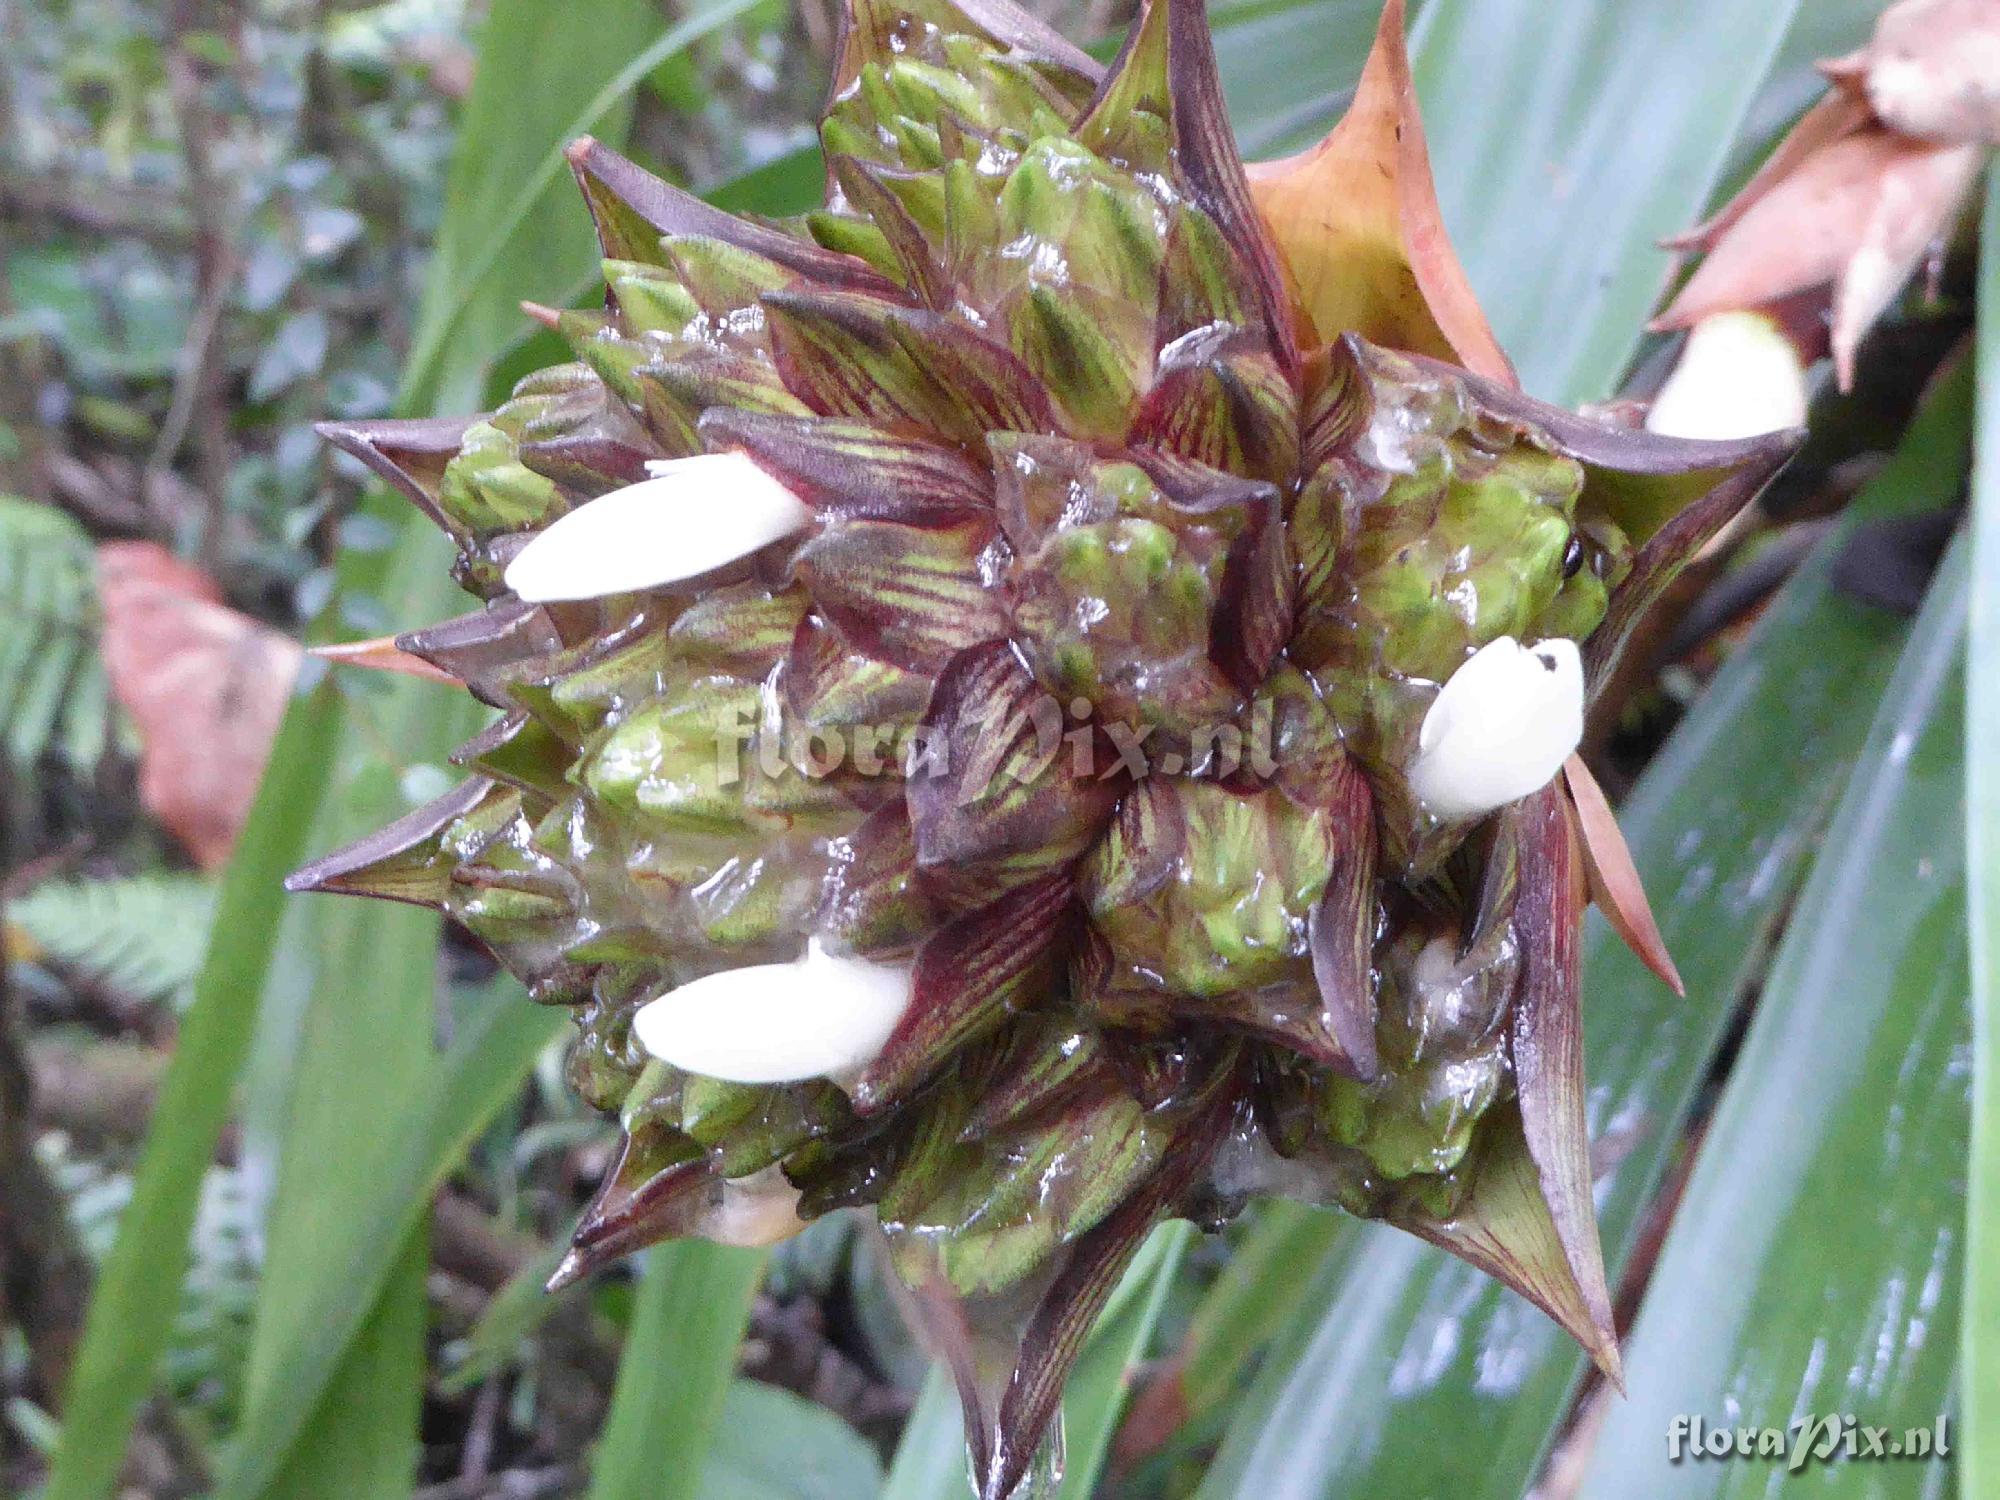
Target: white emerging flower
(1739, 376)
(754, 1211)
(692, 516)
(1500, 728)
(779, 1023)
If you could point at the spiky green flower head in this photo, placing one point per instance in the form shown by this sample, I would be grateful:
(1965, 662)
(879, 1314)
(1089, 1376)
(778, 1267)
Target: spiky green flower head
(1032, 700)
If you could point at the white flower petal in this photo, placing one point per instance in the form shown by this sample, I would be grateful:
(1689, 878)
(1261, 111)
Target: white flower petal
(778, 1023)
(754, 1211)
(1738, 376)
(1500, 728)
(693, 515)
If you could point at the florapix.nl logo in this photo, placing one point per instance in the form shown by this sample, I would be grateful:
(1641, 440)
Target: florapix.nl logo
(1809, 1440)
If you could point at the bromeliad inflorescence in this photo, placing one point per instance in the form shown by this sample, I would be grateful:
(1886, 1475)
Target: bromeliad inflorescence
(1034, 699)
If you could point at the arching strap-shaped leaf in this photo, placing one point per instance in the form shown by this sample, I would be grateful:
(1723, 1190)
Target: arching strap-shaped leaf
(1548, 1049)
(632, 210)
(1160, 108)
(1358, 228)
(409, 453)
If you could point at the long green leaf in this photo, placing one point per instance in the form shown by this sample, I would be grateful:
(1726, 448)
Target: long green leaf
(364, 1446)
(364, 1017)
(1570, 137)
(772, 1445)
(497, 207)
(357, 1070)
(1288, 68)
(1597, 97)
(930, 1457)
(508, 174)
(138, 1292)
(1979, 1392)
(1258, 1296)
(465, 1089)
(1097, 1389)
(1722, 827)
(1814, 1261)
(539, 74)
(694, 1299)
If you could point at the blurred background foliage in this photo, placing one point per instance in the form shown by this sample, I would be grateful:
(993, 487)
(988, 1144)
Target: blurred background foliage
(279, 1186)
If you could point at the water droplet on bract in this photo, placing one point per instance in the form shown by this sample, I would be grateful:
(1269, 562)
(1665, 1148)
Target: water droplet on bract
(1045, 1470)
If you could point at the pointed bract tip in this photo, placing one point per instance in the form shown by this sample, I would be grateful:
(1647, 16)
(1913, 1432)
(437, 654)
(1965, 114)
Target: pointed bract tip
(409, 453)
(1352, 270)
(571, 1269)
(395, 863)
(548, 317)
(381, 654)
(580, 150)
(1615, 886)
